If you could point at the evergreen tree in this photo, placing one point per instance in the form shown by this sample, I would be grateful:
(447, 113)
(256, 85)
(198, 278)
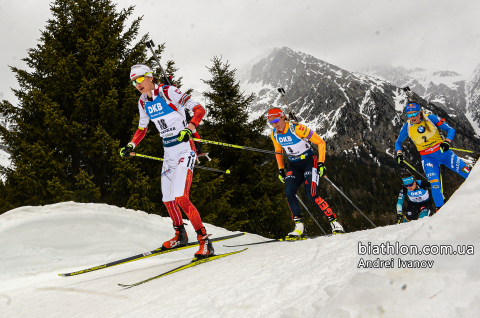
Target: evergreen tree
(254, 199)
(77, 108)
(73, 108)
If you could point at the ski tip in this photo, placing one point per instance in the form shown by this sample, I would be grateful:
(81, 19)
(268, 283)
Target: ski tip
(122, 285)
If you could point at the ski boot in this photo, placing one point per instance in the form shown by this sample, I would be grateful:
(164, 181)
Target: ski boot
(336, 227)
(180, 239)
(206, 247)
(299, 231)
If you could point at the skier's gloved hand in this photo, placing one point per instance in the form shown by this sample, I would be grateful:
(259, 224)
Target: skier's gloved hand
(400, 158)
(282, 175)
(444, 146)
(399, 217)
(198, 148)
(321, 169)
(184, 135)
(125, 151)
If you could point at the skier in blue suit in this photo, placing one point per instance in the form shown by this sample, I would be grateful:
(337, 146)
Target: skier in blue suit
(434, 150)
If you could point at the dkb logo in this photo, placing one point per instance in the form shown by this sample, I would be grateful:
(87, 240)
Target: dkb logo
(155, 108)
(285, 139)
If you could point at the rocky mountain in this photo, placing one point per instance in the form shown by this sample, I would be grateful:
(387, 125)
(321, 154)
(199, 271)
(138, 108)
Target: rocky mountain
(473, 98)
(446, 89)
(358, 115)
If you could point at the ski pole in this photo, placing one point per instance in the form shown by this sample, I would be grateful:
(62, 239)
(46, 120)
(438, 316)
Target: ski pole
(150, 45)
(441, 182)
(415, 170)
(305, 207)
(464, 150)
(291, 114)
(161, 159)
(187, 116)
(242, 147)
(349, 200)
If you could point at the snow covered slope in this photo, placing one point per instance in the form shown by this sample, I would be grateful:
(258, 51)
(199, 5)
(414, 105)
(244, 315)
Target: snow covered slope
(314, 278)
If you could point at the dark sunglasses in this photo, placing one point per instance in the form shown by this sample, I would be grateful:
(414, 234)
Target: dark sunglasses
(412, 115)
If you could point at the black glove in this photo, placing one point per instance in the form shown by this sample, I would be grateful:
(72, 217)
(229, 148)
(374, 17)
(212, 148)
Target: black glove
(198, 148)
(399, 217)
(184, 135)
(400, 158)
(444, 146)
(321, 169)
(125, 151)
(282, 175)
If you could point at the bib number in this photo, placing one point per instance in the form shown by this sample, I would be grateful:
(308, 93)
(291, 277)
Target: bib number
(162, 124)
(190, 161)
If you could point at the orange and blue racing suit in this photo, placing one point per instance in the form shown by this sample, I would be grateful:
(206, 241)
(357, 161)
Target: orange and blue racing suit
(295, 141)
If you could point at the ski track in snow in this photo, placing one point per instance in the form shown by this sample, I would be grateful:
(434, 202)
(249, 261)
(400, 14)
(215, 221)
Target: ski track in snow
(313, 278)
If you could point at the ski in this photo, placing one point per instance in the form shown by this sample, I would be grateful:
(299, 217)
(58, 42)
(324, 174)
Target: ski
(194, 262)
(157, 251)
(287, 239)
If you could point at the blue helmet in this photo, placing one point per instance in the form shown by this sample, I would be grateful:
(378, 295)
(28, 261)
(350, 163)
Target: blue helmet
(408, 181)
(412, 107)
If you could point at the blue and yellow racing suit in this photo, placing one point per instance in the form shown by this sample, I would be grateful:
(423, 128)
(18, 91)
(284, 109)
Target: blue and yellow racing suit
(427, 139)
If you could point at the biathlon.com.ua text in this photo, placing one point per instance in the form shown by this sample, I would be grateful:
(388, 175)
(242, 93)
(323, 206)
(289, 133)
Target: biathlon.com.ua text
(416, 255)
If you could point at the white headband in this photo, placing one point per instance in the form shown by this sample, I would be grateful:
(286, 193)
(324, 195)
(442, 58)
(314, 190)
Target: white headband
(140, 70)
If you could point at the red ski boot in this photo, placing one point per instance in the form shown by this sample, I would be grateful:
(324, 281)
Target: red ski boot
(180, 239)
(206, 247)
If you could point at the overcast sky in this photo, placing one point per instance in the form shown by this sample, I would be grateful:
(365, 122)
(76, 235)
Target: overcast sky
(433, 34)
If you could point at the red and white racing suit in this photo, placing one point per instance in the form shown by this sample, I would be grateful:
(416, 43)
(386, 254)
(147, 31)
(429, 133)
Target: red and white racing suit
(166, 109)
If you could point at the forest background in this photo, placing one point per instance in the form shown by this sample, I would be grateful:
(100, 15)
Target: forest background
(77, 109)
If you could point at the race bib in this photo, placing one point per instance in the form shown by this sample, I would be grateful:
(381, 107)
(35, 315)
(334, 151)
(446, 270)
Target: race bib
(188, 161)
